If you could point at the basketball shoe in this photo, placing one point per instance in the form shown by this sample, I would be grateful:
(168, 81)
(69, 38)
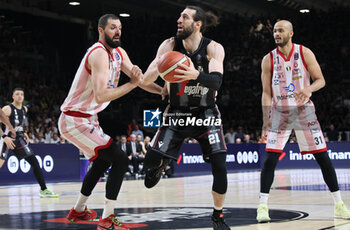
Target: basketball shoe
(48, 193)
(108, 223)
(153, 175)
(341, 211)
(87, 215)
(219, 223)
(263, 213)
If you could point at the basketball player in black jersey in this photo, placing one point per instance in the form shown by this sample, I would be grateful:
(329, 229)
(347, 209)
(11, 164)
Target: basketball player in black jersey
(192, 99)
(17, 114)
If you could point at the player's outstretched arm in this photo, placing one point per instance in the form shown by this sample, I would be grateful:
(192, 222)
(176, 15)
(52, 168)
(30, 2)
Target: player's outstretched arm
(151, 73)
(127, 67)
(98, 62)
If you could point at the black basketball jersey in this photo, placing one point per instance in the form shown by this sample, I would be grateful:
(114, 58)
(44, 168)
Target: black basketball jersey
(18, 118)
(192, 93)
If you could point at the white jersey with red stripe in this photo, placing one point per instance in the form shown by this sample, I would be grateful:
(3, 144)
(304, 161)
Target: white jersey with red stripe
(81, 95)
(288, 75)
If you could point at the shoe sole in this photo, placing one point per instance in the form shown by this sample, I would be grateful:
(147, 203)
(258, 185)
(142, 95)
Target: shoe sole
(342, 217)
(49, 196)
(263, 220)
(164, 164)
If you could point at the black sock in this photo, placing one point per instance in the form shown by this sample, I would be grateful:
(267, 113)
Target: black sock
(328, 172)
(38, 173)
(216, 213)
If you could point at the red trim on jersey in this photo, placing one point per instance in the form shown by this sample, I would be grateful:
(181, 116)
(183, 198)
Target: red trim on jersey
(109, 53)
(155, 142)
(76, 114)
(22, 147)
(314, 151)
(289, 56)
(87, 57)
(302, 56)
(99, 148)
(203, 134)
(274, 150)
(271, 62)
(120, 53)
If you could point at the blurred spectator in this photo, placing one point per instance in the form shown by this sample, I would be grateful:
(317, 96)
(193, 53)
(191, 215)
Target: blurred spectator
(54, 139)
(333, 134)
(137, 132)
(230, 136)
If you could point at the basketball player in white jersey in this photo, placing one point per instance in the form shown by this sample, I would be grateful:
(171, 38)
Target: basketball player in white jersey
(94, 86)
(286, 104)
(4, 138)
(8, 140)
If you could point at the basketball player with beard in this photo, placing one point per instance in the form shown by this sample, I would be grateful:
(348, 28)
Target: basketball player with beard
(286, 105)
(95, 85)
(194, 95)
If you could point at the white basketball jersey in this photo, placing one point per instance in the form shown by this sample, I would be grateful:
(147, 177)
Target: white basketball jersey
(288, 75)
(81, 95)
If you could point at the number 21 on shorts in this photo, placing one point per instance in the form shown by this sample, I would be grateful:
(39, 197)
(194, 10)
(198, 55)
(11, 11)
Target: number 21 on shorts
(213, 138)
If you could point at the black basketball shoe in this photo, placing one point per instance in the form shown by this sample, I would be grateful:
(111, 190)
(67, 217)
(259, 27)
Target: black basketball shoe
(219, 223)
(153, 175)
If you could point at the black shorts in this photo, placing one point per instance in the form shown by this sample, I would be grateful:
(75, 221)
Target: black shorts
(22, 149)
(200, 123)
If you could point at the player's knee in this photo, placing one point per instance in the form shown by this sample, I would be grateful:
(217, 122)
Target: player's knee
(219, 171)
(152, 159)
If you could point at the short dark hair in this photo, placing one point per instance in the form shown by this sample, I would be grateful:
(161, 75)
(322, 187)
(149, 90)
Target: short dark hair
(102, 22)
(17, 89)
(208, 18)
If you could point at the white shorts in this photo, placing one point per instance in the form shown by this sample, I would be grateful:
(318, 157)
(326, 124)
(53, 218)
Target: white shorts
(305, 124)
(85, 133)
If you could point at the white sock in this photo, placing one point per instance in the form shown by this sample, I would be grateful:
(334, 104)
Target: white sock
(218, 208)
(336, 196)
(109, 208)
(263, 198)
(81, 203)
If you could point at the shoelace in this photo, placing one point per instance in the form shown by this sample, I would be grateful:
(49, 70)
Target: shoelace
(115, 221)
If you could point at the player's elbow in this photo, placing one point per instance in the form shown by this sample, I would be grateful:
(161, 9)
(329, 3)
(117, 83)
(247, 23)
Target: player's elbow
(99, 98)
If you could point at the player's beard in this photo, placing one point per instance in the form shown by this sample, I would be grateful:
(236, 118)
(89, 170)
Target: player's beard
(283, 42)
(185, 33)
(111, 43)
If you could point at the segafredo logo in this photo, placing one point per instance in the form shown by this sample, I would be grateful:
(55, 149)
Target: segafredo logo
(14, 165)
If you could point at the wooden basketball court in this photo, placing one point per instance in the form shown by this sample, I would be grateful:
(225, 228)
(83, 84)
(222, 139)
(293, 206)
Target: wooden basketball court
(299, 200)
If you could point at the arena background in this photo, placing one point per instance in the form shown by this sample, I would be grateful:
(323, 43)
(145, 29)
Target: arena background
(42, 43)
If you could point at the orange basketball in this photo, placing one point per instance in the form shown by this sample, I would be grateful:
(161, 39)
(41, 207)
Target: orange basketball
(168, 62)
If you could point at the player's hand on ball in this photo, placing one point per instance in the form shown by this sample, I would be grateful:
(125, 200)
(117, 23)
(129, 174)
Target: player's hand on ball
(187, 72)
(136, 75)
